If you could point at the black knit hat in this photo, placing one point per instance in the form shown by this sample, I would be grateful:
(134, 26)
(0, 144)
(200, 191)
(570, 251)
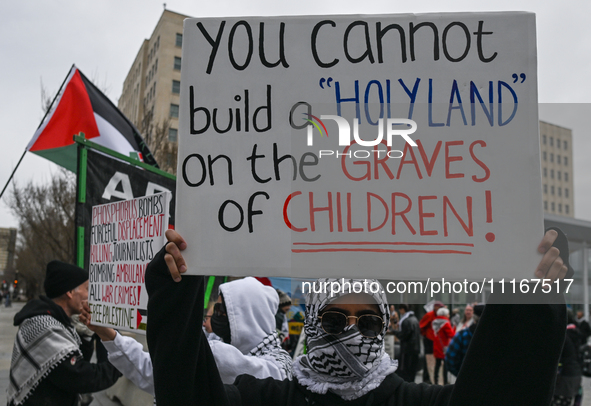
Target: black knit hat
(61, 278)
(284, 298)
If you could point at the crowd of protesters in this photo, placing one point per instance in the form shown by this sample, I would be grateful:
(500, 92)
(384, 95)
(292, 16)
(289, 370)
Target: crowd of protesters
(247, 346)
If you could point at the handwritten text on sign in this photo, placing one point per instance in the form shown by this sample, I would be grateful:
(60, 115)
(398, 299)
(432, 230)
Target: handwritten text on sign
(125, 236)
(293, 159)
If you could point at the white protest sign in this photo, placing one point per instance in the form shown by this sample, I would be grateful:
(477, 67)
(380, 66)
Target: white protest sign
(278, 174)
(125, 236)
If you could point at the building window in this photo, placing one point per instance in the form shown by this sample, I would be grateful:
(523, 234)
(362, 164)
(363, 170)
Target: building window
(174, 110)
(545, 188)
(566, 176)
(176, 86)
(558, 175)
(544, 156)
(172, 134)
(177, 63)
(565, 192)
(551, 157)
(559, 207)
(156, 66)
(559, 191)
(566, 208)
(566, 160)
(544, 139)
(545, 205)
(179, 40)
(558, 159)
(551, 141)
(553, 206)
(551, 173)
(552, 190)
(564, 145)
(545, 170)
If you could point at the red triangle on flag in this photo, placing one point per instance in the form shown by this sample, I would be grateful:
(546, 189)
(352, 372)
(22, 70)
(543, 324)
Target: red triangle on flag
(73, 114)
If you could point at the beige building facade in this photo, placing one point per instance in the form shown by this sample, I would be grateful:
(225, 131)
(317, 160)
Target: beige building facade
(150, 96)
(556, 147)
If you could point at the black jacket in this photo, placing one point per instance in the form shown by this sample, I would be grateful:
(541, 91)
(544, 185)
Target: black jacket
(74, 374)
(500, 369)
(409, 335)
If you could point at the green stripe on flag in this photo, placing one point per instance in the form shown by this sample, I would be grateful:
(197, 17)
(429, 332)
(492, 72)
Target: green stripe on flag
(63, 156)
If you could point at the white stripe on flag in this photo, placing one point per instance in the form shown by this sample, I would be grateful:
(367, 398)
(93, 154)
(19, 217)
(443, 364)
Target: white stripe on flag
(111, 138)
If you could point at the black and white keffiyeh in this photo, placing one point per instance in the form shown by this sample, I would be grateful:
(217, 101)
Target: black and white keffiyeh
(41, 343)
(270, 348)
(347, 364)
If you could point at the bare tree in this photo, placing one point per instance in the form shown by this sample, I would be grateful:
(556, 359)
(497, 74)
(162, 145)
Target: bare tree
(156, 136)
(46, 215)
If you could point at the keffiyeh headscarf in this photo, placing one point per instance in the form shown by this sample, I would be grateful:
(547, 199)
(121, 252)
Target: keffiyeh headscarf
(41, 344)
(270, 348)
(348, 364)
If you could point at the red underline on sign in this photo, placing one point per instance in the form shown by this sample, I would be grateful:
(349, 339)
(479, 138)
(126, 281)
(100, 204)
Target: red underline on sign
(383, 243)
(298, 251)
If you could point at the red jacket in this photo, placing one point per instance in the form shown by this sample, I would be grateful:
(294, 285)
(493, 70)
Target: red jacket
(443, 333)
(425, 325)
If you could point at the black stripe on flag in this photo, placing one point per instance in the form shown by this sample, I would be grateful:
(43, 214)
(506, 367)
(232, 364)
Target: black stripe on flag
(103, 106)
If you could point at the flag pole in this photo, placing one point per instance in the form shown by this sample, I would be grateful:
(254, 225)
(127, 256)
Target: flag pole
(80, 201)
(12, 174)
(40, 124)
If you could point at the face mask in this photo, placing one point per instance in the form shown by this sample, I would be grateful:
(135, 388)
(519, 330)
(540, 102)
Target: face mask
(221, 327)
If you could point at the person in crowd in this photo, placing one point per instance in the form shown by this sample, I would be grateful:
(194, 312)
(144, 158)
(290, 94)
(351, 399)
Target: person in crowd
(456, 351)
(467, 320)
(207, 323)
(583, 325)
(443, 332)
(585, 333)
(428, 337)
(345, 362)
(281, 315)
(243, 318)
(409, 334)
(568, 380)
(50, 362)
(455, 317)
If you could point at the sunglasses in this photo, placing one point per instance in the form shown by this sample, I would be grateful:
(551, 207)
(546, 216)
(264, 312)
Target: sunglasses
(369, 325)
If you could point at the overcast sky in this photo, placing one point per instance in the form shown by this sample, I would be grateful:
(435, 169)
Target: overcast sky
(40, 40)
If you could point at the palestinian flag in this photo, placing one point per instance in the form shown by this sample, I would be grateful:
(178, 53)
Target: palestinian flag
(81, 107)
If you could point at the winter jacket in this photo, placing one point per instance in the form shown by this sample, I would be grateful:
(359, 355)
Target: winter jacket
(409, 334)
(496, 370)
(443, 332)
(457, 349)
(71, 374)
(249, 326)
(425, 325)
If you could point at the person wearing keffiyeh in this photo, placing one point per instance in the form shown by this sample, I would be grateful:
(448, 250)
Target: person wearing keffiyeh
(50, 363)
(494, 372)
(243, 318)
